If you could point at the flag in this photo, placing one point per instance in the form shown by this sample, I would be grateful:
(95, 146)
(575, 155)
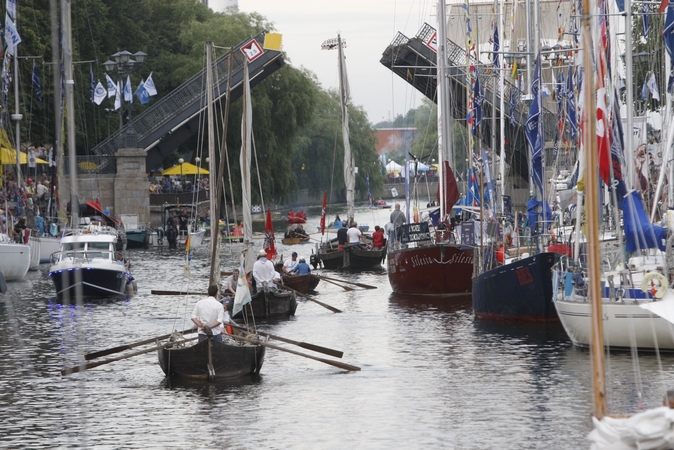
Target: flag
(242, 290)
(479, 98)
(325, 201)
(92, 84)
(11, 8)
(12, 38)
(668, 37)
(653, 86)
(512, 106)
(128, 96)
(141, 93)
(603, 135)
(149, 86)
(269, 246)
(617, 151)
(99, 93)
(497, 45)
(514, 72)
(571, 104)
(533, 129)
(112, 88)
(645, 21)
(644, 90)
(410, 77)
(36, 82)
(663, 6)
(118, 97)
(187, 244)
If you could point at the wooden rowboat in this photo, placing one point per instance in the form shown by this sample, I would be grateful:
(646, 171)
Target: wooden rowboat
(305, 284)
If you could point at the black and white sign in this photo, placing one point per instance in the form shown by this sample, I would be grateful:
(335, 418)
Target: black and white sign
(414, 232)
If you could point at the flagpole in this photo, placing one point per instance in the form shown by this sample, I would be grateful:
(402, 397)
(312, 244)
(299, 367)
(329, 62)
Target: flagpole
(16, 117)
(629, 94)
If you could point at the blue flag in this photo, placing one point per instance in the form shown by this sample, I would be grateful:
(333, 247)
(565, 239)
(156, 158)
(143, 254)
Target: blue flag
(92, 84)
(142, 94)
(479, 98)
(668, 36)
(617, 152)
(36, 82)
(533, 129)
(646, 21)
(571, 105)
(497, 45)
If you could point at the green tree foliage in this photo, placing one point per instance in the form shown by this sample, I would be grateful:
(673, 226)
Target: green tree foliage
(319, 149)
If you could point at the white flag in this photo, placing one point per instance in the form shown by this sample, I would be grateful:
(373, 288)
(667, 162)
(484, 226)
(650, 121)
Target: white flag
(118, 97)
(149, 86)
(99, 93)
(12, 37)
(128, 92)
(112, 89)
(653, 87)
(11, 8)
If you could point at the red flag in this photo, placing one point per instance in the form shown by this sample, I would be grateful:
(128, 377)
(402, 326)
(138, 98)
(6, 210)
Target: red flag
(663, 6)
(269, 246)
(325, 201)
(451, 189)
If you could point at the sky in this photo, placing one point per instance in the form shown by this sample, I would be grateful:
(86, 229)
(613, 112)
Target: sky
(367, 26)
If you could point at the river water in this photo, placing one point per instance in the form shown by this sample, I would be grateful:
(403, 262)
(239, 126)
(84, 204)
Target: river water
(432, 375)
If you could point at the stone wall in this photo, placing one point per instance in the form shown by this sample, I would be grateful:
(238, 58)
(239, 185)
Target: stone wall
(132, 190)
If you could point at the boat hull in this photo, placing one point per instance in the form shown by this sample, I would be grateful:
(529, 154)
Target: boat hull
(352, 258)
(270, 305)
(301, 283)
(137, 239)
(230, 361)
(14, 260)
(95, 282)
(518, 291)
(441, 269)
(48, 245)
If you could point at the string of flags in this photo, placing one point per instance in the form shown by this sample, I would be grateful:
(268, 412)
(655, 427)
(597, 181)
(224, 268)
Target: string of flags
(145, 90)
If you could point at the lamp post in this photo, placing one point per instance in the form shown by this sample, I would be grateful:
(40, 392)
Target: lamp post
(123, 65)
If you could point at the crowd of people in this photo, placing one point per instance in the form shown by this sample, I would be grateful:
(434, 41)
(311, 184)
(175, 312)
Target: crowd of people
(27, 201)
(177, 184)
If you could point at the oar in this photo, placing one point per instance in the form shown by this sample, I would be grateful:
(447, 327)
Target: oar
(316, 348)
(156, 292)
(83, 367)
(346, 288)
(364, 286)
(309, 297)
(341, 365)
(121, 348)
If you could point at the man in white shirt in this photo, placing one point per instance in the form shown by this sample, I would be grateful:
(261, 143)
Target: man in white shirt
(354, 235)
(263, 271)
(291, 263)
(208, 315)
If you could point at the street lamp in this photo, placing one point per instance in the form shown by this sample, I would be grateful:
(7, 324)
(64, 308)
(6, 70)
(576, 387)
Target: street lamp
(180, 162)
(123, 64)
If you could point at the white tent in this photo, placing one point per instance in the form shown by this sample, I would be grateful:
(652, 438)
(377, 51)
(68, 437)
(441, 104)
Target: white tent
(393, 166)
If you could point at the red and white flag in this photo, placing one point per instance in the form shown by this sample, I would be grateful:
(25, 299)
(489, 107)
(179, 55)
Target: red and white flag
(325, 202)
(269, 246)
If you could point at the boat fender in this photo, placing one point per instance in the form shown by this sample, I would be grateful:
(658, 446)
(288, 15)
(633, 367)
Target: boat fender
(649, 286)
(229, 329)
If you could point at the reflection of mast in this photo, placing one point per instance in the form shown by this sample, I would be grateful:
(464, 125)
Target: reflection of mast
(349, 178)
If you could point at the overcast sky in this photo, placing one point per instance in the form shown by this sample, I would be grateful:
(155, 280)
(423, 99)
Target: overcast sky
(367, 26)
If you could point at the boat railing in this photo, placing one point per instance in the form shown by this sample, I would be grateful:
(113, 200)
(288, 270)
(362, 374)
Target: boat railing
(79, 256)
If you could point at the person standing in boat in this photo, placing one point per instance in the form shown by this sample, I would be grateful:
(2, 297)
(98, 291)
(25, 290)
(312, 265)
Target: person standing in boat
(355, 236)
(182, 222)
(263, 272)
(341, 238)
(208, 315)
(291, 263)
(397, 219)
(378, 239)
(302, 268)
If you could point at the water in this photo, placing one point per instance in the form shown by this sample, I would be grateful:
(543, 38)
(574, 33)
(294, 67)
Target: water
(432, 375)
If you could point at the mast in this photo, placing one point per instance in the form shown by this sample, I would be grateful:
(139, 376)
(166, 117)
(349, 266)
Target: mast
(244, 164)
(16, 117)
(70, 110)
(629, 98)
(501, 165)
(57, 150)
(444, 115)
(214, 277)
(592, 209)
(349, 178)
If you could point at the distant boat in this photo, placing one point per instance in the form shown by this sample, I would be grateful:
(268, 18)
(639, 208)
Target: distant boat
(14, 258)
(137, 235)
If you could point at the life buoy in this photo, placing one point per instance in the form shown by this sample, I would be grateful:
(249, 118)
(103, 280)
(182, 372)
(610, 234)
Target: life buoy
(648, 284)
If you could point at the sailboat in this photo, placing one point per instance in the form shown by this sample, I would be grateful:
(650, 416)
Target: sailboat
(350, 256)
(425, 261)
(210, 359)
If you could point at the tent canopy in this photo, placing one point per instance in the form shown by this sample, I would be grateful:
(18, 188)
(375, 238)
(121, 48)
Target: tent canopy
(393, 166)
(185, 169)
(8, 156)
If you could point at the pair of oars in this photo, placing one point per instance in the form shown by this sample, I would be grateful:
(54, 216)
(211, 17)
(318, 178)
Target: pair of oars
(309, 346)
(362, 285)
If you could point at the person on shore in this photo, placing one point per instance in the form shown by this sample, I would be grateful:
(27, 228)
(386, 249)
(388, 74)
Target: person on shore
(291, 263)
(302, 268)
(208, 315)
(263, 272)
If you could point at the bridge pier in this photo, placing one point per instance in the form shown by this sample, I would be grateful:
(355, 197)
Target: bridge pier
(131, 188)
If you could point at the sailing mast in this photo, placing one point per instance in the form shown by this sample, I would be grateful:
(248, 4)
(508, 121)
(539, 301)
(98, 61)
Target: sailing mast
(70, 110)
(214, 277)
(244, 164)
(444, 114)
(349, 177)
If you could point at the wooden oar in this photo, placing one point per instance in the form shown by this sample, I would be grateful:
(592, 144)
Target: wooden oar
(83, 367)
(364, 286)
(315, 348)
(156, 292)
(121, 348)
(341, 365)
(346, 288)
(309, 297)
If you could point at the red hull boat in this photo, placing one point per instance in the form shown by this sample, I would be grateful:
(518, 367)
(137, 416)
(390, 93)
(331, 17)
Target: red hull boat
(440, 269)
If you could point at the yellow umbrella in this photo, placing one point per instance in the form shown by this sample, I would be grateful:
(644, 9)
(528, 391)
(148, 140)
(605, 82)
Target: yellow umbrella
(8, 156)
(185, 169)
